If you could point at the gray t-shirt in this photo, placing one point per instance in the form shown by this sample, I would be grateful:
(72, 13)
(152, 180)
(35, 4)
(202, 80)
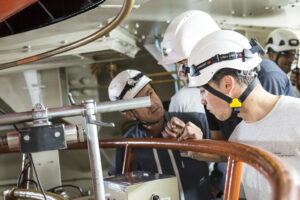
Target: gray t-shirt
(278, 132)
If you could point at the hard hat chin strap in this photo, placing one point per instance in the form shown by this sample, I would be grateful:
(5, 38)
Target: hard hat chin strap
(235, 103)
(143, 122)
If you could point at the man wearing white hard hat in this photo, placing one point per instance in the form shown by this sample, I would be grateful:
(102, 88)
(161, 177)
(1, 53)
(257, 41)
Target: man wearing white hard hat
(282, 46)
(180, 37)
(192, 175)
(223, 65)
(177, 44)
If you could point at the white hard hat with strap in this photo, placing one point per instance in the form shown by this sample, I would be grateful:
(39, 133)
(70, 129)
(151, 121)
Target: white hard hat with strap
(282, 40)
(183, 33)
(127, 84)
(219, 50)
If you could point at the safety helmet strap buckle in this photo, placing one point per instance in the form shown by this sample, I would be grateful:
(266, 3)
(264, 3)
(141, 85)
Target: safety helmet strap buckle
(234, 103)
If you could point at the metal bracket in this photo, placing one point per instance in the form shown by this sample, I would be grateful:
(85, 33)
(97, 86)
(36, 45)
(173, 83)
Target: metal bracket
(40, 115)
(98, 123)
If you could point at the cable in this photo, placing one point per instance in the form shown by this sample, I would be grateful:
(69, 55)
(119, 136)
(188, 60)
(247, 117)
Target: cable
(21, 174)
(32, 181)
(67, 185)
(37, 177)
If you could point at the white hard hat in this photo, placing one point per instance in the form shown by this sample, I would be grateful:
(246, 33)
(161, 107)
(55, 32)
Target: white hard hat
(282, 40)
(183, 33)
(127, 84)
(221, 49)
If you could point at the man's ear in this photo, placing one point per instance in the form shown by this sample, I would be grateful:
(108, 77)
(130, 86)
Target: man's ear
(229, 83)
(130, 115)
(272, 55)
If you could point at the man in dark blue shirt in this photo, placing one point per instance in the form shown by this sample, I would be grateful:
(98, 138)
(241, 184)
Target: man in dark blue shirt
(192, 175)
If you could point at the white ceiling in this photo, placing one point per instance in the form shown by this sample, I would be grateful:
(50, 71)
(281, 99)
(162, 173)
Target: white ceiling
(257, 17)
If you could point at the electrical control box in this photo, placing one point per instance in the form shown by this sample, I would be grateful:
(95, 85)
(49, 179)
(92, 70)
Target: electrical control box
(141, 185)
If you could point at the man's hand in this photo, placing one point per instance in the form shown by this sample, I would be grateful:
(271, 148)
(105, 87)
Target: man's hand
(191, 131)
(174, 128)
(294, 74)
(178, 129)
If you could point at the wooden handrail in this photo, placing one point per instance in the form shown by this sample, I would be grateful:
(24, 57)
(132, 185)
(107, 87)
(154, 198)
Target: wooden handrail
(279, 174)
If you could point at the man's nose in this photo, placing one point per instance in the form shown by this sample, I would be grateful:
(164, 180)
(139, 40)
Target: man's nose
(203, 101)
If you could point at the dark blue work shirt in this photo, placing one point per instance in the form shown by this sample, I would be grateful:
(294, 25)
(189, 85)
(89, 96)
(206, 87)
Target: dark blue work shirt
(193, 174)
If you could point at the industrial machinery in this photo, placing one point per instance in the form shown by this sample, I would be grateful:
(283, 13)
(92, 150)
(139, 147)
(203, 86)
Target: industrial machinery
(42, 136)
(26, 39)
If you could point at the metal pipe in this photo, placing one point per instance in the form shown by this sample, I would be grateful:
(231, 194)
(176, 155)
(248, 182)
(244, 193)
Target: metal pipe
(126, 9)
(26, 172)
(160, 51)
(76, 110)
(94, 152)
(69, 111)
(176, 78)
(160, 74)
(122, 105)
(18, 193)
(163, 81)
(71, 134)
(12, 118)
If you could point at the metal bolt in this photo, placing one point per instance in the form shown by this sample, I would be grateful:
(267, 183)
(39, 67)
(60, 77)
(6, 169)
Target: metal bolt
(38, 106)
(57, 134)
(26, 138)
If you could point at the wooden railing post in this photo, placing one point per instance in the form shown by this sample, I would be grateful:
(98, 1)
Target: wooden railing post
(128, 159)
(233, 179)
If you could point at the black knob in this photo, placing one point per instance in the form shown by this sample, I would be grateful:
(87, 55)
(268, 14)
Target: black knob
(155, 197)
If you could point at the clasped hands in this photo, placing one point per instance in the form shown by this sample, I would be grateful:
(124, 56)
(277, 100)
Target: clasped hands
(176, 128)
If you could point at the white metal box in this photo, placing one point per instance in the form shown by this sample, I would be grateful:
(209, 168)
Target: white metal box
(141, 186)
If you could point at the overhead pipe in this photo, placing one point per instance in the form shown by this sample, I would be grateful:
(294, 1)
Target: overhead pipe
(126, 9)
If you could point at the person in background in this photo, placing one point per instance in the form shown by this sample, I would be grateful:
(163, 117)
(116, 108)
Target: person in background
(295, 79)
(177, 43)
(192, 175)
(281, 47)
(223, 65)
